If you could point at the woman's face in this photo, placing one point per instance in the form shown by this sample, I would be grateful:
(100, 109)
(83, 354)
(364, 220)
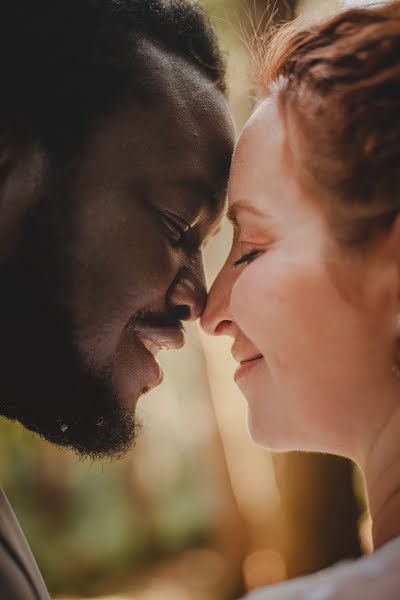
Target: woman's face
(313, 325)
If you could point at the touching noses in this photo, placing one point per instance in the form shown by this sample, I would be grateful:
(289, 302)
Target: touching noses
(217, 318)
(187, 295)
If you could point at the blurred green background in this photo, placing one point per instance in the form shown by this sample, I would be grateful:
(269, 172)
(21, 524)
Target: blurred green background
(194, 511)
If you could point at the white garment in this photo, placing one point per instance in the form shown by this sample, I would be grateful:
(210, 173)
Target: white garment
(372, 577)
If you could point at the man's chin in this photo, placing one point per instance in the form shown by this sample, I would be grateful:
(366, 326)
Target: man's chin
(90, 437)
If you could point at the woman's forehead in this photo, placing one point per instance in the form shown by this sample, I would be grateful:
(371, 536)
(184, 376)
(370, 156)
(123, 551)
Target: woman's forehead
(257, 154)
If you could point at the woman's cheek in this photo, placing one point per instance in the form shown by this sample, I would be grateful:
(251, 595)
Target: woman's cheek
(239, 298)
(249, 297)
(269, 297)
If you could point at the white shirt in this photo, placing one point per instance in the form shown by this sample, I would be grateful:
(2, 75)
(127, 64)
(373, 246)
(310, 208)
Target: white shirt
(372, 577)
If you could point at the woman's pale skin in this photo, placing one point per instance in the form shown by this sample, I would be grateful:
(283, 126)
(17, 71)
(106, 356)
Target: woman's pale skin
(315, 326)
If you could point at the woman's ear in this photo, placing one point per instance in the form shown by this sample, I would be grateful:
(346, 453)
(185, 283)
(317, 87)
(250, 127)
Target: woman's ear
(391, 256)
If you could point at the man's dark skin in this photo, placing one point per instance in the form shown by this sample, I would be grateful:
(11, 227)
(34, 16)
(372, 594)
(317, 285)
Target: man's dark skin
(115, 145)
(103, 260)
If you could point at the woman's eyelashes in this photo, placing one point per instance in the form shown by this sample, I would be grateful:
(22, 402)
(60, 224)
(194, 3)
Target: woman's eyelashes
(246, 258)
(175, 226)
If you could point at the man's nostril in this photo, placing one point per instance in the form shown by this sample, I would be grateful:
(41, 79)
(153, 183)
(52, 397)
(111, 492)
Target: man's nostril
(183, 312)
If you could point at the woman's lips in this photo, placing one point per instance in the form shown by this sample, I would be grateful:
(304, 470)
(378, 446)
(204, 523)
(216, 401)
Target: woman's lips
(246, 366)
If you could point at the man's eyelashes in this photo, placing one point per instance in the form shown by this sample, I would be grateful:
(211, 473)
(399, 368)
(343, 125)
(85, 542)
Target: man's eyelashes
(175, 226)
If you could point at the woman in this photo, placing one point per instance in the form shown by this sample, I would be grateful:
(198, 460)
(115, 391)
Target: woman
(310, 292)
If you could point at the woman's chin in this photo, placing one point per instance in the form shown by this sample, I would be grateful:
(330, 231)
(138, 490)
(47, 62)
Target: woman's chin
(269, 423)
(269, 435)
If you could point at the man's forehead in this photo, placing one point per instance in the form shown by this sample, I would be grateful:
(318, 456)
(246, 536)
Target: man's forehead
(183, 137)
(167, 75)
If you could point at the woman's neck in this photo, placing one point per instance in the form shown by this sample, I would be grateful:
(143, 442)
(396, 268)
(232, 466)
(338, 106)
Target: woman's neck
(382, 475)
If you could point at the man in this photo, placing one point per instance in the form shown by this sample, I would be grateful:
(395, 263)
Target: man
(115, 149)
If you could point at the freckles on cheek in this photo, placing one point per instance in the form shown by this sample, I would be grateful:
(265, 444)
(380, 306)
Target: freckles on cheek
(246, 304)
(274, 302)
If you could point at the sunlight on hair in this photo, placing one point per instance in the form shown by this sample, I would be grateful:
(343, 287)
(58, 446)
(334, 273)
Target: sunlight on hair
(311, 10)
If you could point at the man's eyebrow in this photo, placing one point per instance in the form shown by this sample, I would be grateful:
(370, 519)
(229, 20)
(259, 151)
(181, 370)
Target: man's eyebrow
(204, 190)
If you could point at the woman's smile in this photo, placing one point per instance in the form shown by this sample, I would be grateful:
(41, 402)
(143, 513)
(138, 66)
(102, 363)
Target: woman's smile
(247, 367)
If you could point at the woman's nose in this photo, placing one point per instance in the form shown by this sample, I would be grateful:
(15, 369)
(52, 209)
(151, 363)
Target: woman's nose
(187, 295)
(217, 318)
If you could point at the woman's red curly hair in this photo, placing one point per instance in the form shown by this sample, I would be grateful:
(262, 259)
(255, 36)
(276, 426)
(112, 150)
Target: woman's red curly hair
(338, 88)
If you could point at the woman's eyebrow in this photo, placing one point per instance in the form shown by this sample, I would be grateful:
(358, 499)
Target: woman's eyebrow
(231, 216)
(245, 206)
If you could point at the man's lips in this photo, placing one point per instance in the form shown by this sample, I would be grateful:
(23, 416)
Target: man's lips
(139, 371)
(156, 339)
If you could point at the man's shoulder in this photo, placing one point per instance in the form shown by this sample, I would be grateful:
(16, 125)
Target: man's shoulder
(14, 582)
(371, 577)
(20, 578)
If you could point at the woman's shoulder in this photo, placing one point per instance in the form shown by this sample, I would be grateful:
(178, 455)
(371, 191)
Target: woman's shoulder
(372, 577)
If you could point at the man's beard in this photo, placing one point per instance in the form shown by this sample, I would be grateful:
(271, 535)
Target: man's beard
(86, 418)
(43, 381)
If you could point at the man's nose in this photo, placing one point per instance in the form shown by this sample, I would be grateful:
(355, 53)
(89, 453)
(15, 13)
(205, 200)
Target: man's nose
(187, 295)
(217, 318)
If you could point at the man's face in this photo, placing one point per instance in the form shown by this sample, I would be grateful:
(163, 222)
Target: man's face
(108, 263)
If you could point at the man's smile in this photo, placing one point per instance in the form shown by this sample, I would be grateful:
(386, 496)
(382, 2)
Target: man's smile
(155, 339)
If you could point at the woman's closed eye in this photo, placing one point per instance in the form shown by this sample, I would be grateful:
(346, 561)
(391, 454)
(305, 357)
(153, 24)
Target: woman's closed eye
(246, 258)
